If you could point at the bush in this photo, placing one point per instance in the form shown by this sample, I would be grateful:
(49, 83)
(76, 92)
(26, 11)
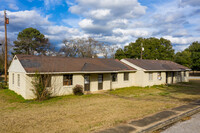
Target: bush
(3, 85)
(78, 90)
(41, 91)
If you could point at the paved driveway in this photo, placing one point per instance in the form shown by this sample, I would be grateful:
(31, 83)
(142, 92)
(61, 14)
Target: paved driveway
(189, 126)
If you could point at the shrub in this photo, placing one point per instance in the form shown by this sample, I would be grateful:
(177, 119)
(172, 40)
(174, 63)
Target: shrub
(78, 90)
(3, 85)
(40, 83)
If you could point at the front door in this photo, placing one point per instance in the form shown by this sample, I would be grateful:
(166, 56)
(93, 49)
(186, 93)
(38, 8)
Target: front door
(100, 81)
(172, 77)
(87, 82)
(167, 77)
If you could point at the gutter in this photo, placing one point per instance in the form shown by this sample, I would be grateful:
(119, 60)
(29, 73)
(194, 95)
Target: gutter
(165, 70)
(82, 72)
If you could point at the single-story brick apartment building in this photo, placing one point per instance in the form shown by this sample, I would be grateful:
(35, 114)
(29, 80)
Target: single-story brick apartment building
(92, 73)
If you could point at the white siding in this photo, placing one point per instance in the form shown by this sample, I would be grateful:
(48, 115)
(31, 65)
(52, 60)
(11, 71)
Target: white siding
(16, 66)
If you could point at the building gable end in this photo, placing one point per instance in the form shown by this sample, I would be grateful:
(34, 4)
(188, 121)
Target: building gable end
(16, 66)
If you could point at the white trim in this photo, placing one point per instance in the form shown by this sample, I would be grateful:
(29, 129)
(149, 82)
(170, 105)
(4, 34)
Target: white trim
(83, 72)
(165, 70)
(131, 64)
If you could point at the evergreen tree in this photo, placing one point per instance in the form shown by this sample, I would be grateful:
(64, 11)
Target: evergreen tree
(30, 41)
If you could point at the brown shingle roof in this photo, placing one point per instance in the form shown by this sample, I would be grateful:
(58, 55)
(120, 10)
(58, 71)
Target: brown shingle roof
(157, 64)
(33, 64)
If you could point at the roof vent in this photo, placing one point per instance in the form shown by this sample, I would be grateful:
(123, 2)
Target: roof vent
(15, 58)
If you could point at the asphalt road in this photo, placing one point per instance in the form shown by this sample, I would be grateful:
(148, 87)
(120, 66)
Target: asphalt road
(190, 126)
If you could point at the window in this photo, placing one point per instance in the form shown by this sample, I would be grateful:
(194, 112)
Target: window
(46, 80)
(100, 78)
(159, 76)
(114, 77)
(18, 79)
(126, 76)
(67, 79)
(150, 76)
(13, 78)
(87, 82)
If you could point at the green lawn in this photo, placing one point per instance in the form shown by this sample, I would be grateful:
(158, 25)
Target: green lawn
(90, 112)
(182, 92)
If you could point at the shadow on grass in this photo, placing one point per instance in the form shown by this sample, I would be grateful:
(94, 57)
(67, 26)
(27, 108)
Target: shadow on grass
(183, 92)
(190, 90)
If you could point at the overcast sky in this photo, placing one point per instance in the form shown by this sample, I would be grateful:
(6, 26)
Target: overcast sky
(112, 21)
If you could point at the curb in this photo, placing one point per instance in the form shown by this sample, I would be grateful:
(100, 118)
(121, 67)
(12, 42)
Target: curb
(170, 121)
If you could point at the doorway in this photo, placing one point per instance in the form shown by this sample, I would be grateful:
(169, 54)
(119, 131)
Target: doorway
(172, 77)
(87, 82)
(100, 81)
(167, 73)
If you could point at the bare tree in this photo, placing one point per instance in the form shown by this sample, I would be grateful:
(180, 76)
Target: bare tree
(86, 47)
(2, 53)
(108, 51)
(81, 47)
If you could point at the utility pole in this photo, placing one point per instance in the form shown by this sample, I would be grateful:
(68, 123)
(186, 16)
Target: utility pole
(6, 21)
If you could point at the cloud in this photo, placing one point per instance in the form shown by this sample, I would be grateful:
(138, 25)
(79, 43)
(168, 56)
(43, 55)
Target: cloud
(112, 21)
(73, 22)
(101, 17)
(132, 32)
(90, 27)
(190, 2)
(13, 6)
(126, 20)
(50, 4)
(181, 40)
(100, 14)
(119, 8)
(24, 19)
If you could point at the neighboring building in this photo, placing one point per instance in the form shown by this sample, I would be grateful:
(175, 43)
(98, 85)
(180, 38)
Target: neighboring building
(157, 72)
(92, 73)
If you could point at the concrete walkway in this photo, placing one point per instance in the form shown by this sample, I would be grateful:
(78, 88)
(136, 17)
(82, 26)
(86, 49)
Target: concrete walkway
(194, 78)
(156, 121)
(189, 126)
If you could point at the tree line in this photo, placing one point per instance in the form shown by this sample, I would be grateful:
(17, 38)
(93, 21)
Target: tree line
(31, 42)
(161, 49)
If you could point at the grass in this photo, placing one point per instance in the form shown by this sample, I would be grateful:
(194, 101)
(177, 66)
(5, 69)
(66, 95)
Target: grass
(182, 92)
(90, 112)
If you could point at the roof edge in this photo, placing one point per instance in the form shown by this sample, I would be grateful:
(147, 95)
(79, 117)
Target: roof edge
(84, 72)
